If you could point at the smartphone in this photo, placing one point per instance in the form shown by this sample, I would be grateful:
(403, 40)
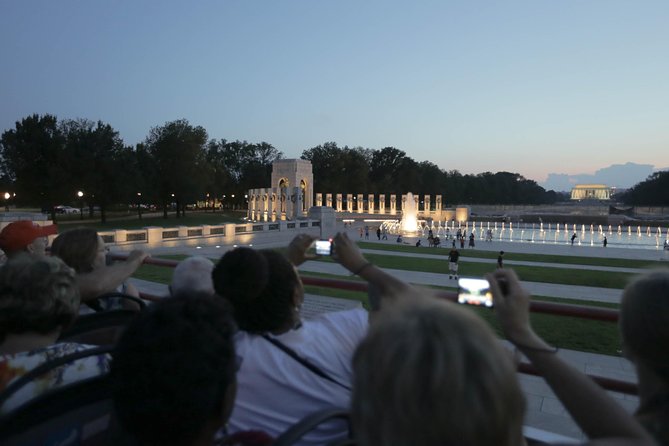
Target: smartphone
(474, 292)
(324, 247)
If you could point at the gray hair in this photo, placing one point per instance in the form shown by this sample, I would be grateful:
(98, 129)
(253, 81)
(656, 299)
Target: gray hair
(193, 274)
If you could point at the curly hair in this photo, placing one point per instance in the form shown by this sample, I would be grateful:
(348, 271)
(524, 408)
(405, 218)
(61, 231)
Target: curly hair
(172, 368)
(77, 247)
(36, 295)
(432, 373)
(261, 287)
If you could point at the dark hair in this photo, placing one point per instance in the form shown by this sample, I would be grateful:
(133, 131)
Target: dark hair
(172, 368)
(37, 295)
(77, 247)
(260, 285)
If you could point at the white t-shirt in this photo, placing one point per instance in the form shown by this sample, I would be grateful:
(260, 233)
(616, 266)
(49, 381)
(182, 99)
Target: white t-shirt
(275, 391)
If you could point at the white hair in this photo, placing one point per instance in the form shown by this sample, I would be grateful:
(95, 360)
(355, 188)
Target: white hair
(193, 274)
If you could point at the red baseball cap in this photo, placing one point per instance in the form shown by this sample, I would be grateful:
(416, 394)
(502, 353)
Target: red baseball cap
(19, 234)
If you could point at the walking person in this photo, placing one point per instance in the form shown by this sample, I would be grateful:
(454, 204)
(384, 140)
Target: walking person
(453, 258)
(471, 240)
(606, 242)
(378, 233)
(366, 232)
(573, 237)
(361, 232)
(500, 260)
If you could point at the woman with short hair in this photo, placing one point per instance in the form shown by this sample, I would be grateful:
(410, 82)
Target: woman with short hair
(39, 299)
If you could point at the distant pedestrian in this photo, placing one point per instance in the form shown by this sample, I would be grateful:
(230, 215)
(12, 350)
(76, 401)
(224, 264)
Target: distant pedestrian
(378, 233)
(453, 243)
(418, 243)
(471, 240)
(500, 260)
(366, 232)
(453, 258)
(606, 242)
(384, 234)
(462, 242)
(361, 232)
(573, 237)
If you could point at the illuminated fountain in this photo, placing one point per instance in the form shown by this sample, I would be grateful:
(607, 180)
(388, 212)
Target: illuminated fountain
(409, 221)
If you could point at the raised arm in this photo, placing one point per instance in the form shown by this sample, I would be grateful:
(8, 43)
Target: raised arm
(600, 417)
(385, 285)
(108, 278)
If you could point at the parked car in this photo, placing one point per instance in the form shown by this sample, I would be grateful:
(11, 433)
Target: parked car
(66, 210)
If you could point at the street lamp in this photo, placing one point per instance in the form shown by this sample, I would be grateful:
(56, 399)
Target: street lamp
(80, 194)
(7, 197)
(139, 205)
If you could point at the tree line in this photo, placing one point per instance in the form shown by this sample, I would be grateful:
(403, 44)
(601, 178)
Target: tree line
(45, 162)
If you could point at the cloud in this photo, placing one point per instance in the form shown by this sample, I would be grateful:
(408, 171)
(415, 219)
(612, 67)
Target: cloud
(617, 175)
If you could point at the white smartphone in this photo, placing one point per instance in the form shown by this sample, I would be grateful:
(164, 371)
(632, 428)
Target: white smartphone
(323, 247)
(474, 292)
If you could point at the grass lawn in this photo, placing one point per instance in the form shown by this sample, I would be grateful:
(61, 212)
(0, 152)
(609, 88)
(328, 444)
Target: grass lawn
(130, 221)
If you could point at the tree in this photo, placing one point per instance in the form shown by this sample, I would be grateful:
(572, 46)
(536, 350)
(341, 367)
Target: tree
(177, 150)
(98, 163)
(654, 190)
(35, 160)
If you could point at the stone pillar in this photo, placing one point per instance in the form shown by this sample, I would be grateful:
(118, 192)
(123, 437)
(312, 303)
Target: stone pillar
(361, 203)
(437, 203)
(274, 205)
(370, 203)
(382, 204)
(403, 203)
(416, 201)
(326, 215)
(319, 199)
(339, 203)
(349, 203)
(426, 205)
(393, 204)
(328, 200)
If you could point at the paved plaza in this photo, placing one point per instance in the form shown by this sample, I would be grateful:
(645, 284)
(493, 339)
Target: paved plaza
(544, 411)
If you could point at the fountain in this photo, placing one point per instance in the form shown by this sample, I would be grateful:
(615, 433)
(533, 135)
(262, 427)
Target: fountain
(409, 222)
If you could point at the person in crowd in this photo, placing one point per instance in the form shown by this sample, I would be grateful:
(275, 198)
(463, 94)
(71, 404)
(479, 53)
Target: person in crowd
(378, 233)
(471, 240)
(84, 250)
(453, 258)
(573, 238)
(39, 299)
(173, 373)
(278, 382)
(500, 260)
(469, 394)
(605, 242)
(644, 329)
(193, 274)
(25, 236)
(399, 238)
(418, 243)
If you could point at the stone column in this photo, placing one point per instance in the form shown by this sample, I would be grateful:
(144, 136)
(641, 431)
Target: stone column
(319, 199)
(426, 205)
(370, 203)
(361, 203)
(437, 203)
(339, 203)
(349, 203)
(382, 204)
(403, 203)
(298, 195)
(328, 200)
(393, 204)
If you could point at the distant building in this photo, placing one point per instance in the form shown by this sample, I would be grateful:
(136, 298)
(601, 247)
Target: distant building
(591, 192)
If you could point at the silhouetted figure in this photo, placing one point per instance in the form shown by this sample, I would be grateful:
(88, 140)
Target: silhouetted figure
(573, 237)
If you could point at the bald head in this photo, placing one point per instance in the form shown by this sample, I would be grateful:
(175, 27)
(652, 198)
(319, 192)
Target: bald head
(193, 274)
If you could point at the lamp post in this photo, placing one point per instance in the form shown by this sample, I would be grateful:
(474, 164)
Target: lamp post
(7, 197)
(139, 205)
(80, 194)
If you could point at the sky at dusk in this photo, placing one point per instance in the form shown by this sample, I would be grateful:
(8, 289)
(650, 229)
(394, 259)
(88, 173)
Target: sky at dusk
(534, 87)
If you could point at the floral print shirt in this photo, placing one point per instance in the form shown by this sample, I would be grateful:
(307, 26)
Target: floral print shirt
(13, 366)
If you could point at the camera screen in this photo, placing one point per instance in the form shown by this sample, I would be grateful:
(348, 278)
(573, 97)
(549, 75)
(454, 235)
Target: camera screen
(323, 247)
(474, 292)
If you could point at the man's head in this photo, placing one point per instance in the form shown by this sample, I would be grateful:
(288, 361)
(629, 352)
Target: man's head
(173, 371)
(25, 236)
(193, 274)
